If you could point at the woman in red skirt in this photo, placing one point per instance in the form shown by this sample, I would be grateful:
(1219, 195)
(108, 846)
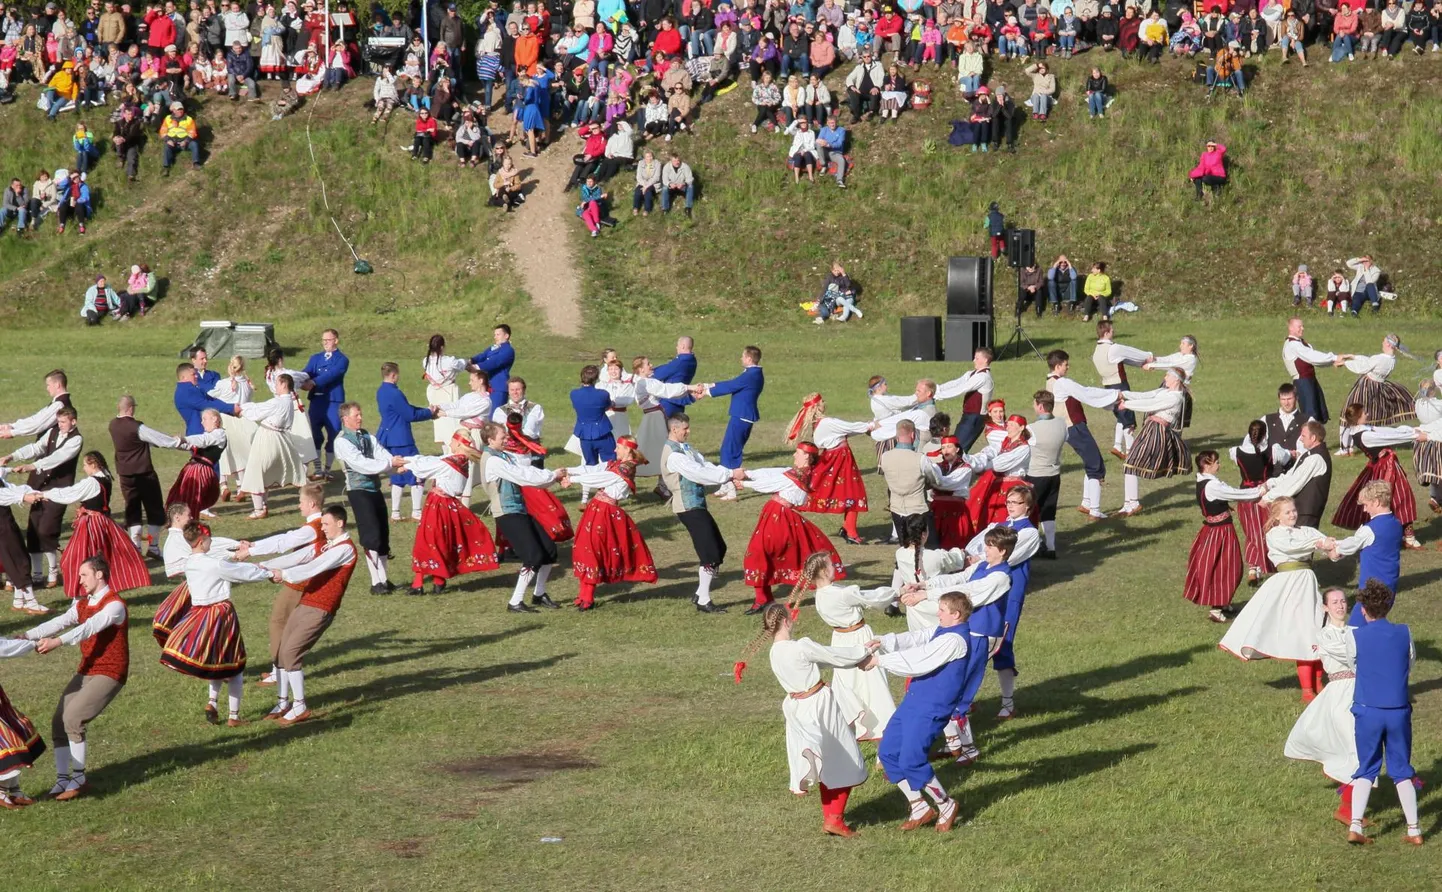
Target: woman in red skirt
(542, 504)
(837, 486)
(450, 539)
(609, 547)
(783, 539)
(94, 532)
(198, 484)
(1376, 443)
(986, 504)
(20, 743)
(948, 502)
(207, 643)
(1259, 463)
(1214, 566)
(995, 428)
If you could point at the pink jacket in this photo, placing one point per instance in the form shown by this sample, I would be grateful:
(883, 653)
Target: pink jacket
(1210, 164)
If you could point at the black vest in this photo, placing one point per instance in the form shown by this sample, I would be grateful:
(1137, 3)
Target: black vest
(100, 503)
(132, 454)
(1286, 437)
(1311, 499)
(61, 475)
(1256, 466)
(1209, 507)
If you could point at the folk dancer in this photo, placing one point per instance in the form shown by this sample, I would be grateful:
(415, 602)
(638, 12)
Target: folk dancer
(864, 694)
(308, 537)
(821, 748)
(687, 474)
(1280, 620)
(20, 744)
(949, 508)
(651, 429)
(51, 462)
(234, 389)
(1111, 360)
(1378, 445)
(1309, 479)
(1383, 710)
(94, 532)
(206, 643)
(98, 624)
(1301, 360)
(1377, 543)
(365, 460)
(197, 486)
(506, 481)
(14, 559)
(1159, 450)
(533, 417)
(1326, 731)
(496, 361)
(1185, 361)
(1427, 454)
(301, 436)
(837, 486)
(1072, 396)
(471, 411)
(175, 553)
(191, 401)
(57, 388)
(450, 540)
(273, 460)
(1028, 544)
(915, 564)
(1043, 470)
(909, 475)
(1214, 564)
(1259, 463)
(326, 371)
(783, 538)
(1008, 463)
(975, 388)
(1386, 402)
(541, 504)
(395, 435)
(608, 546)
(745, 392)
(680, 370)
(321, 578)
(439, 371)
(144, 499)
(592, 437)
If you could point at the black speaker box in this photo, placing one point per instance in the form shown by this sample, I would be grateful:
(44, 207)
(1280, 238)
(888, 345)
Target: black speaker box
(920, 338)
(965, 335)
(1021, 247)
(968, 286)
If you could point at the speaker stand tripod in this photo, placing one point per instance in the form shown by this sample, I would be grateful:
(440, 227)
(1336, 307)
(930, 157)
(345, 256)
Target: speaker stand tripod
(1018, 334)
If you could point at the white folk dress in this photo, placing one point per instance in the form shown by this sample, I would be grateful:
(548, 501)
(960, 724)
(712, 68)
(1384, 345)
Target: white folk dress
(934, 562)
(820, 745)
(300, 433)
(273, 460)
(440, 373)
(840, 607)
(1281, 620)
(238, 431)
(651, 429)
(1326, 731)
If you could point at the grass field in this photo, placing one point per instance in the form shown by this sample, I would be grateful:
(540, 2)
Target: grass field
(454, 736)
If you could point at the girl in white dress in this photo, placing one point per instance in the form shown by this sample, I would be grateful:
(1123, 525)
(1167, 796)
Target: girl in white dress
(917, 563)
(273, 459)
(821, 749)
(300, 436)
(1159, 450)
(840, 607)
(647, 393)
(1185, 361)
(1326, 731)
(235, 388)
(440, 373)
(1281, 619)
(1387, 403)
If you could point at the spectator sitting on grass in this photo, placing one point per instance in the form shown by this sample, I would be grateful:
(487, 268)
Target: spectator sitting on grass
(1043, 90)
(73, 200)
(648, 183)
(240, 73)
(1302, 287)
(1345, 25)
(86, 152)
(831, 148)
(1061, 280)
(1187, 39)
(1364, 286)
(1154, 37)
(101, 301)
(1211, 169)
(838, 297)
(969, 68)
(1393, 33)
(894, 93)
(767, 99)
(677, 179)
(1108, 28)
(61, 91)
(141, 289)
(1339, 292)
(802, 154)
(863, 88)
(1226, 69)
(1293, 37)
(1096, 88)
(16, 204)
(983, 113)
(1098, 290)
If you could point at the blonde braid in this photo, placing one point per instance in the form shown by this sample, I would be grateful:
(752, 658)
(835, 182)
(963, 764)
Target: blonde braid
(809, 571)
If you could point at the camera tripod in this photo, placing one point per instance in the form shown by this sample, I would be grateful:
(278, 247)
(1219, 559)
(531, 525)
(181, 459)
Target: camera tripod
(1018, 334)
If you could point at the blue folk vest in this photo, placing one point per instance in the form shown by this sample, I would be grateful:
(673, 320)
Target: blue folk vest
(937, 692)
(512, 501)
(990, 619)
(1382, 560)
(1383, 663)
(366, 444)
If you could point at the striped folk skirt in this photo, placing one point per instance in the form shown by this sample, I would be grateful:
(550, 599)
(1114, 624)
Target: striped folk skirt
(1214, 566)
(1427, 462)
(1159, 451)
(197, 486)
(95, 533)
(170, 612)
(1387, 403)
(206, 643)
(1254, 521)
(20, 743)
(1350, 516)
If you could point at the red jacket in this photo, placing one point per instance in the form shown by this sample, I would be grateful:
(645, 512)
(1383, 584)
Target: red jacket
(426, 125)
(1211, 163)
(889, 25)
(162, 29)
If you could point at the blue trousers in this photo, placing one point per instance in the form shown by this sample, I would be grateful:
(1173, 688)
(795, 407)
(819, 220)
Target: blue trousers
(906, 746)
(1379, 730)
(1080, 439)
(1125, 417)
(324, 423)
(733, 443)
(1366, 294)
(1310, 399)
(593, 452)
(968, 429)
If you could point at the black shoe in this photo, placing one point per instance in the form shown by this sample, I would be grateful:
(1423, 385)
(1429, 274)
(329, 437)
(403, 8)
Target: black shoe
(755, 609)
(1047, 554)
(688, 216)
(390, 587)
(438, 588)
(415, 590)
(380, 589)
(521, 608)
(710, 607)
(848, 539)
(545, 601)
(892, 610)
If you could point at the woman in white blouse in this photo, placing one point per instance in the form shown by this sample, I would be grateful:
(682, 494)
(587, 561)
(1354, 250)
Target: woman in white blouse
(440, 372)
(608, 546)
(864, 694)
(235, 388)
(1378, 444)
(300, 436)
(783, 538)
(1387, 403)
(837, 486)
(273, 458)
(651, 430)
(1159, 450)
(1185, 361)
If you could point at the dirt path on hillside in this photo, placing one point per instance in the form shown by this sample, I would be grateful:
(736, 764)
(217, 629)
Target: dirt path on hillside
(539, 237)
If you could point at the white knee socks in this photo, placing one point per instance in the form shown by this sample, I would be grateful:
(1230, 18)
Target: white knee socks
(1092, 494)
(1361, 789)
(376, 566)
(1131, 490)
(257, 501)
(1048, 531)
(214, 690)
(523, 582)
(296, 677)
(703, 586)
(397, 493)
(418, 496)
(543, 574)
(1128, 438)
(1007, 678)
(1407, 796)
(1119, 436)
(234, 687)
(282, 683)
(134, 533)
(913, 798)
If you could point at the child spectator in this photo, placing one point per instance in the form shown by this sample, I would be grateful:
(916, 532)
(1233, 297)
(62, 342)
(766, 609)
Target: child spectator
(1302, 287)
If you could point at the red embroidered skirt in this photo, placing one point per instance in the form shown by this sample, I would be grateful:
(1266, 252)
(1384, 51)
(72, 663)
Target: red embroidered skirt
(20, 743)
(1350, 516)
(197, 486)
(95, 533)
(609, 547)
(451, 540)
(781, 543)
(836, 483)
(548, 511)
(170, 612)
(1214, 566)
(206, 643)
(953, 521)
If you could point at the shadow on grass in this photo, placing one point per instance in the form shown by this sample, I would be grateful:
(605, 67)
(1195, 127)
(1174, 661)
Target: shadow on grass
(385, 647)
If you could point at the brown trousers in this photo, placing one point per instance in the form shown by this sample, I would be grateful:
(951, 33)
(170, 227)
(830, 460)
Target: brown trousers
(286, 600)
(306, 626)
(84, 698)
